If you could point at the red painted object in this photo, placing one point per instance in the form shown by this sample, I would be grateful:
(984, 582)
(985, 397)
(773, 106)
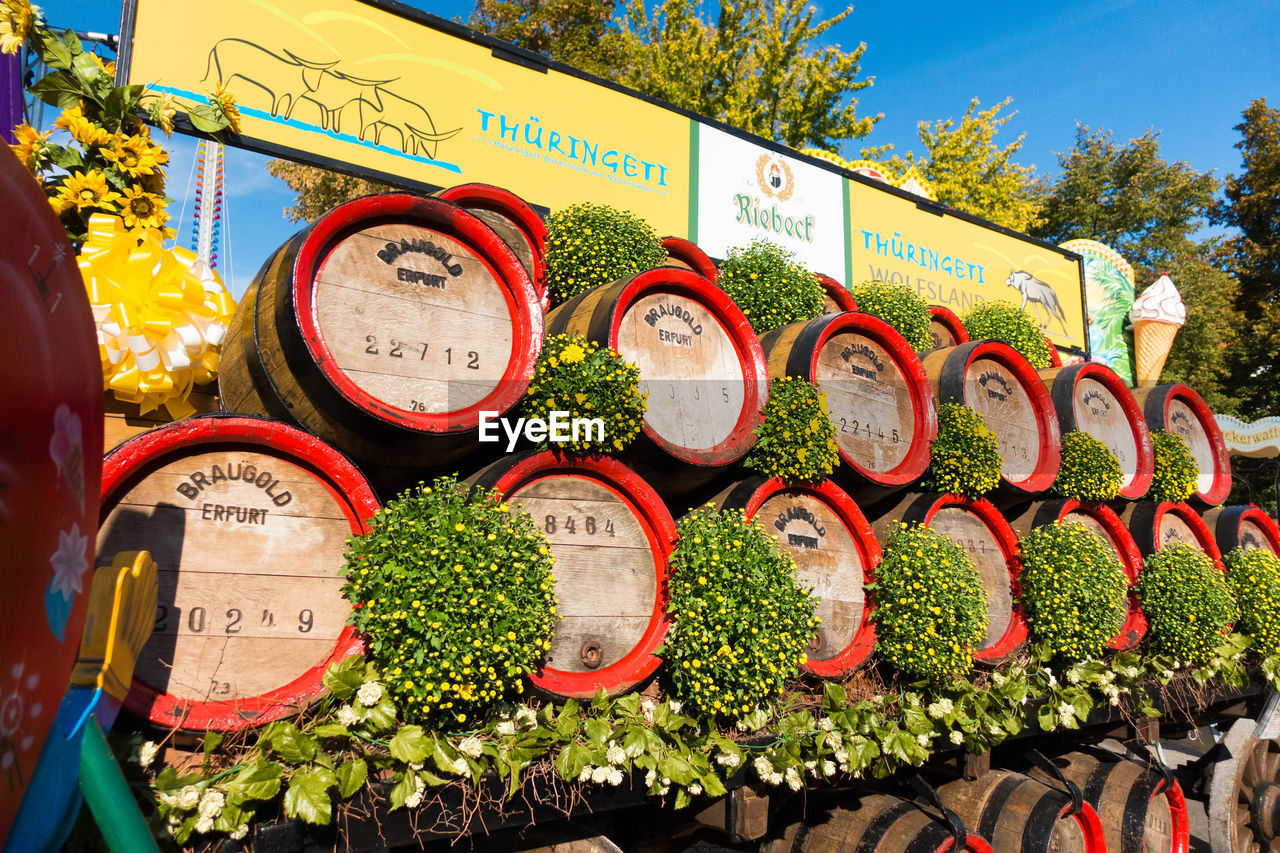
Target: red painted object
(1180, 410)
(1243, 527)
(946, 328)
(686, 253)
(1055, 357)
(1155, 525)
(514, 220)
(837, 294)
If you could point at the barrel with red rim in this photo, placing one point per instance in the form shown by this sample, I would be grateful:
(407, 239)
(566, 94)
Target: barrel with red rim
(996, 381)
(945, 328)
(979, 528)
(878, 397)
(685, 253)
(1093, 399)
(836, 298)
(1155, 525)
(247, 520)
(1103, 522)
(611, 536)
(1181, 411)
(700, 363)
(835, 552)
(877, 823)
(1055, 357)
(386, 327)
(515, 221)
(1244, 527)
(1015, 812)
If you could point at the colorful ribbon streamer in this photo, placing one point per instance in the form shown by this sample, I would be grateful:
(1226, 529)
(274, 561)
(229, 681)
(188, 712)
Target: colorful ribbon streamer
(161, 317)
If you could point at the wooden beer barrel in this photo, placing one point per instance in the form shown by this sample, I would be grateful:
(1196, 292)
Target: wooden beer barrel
(247, 520)
(995, 380)
(835, 551)
(1103, 522)
(1141, 810)
(878, 397)
(386, 327)
(1013, 812)
(837, 298)
(683, 253)
(1180, 410)
(1055, 357)
(1092, 398)
(980, 529)
(1155, 525)
(611, 536)
(518, 224)
(946, 328)
(699, 362)
(877, 823)
(1244, 527)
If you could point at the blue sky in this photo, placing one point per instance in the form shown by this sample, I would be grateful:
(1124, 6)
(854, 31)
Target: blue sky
(1187, 69)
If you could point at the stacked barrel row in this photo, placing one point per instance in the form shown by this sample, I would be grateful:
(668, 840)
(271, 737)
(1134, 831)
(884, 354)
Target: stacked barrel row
(369, 345)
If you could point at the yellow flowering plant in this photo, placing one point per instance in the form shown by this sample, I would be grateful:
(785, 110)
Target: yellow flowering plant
(797, 441)
(1074, 591)
(1004, 321)
(592, 244)
(1187, 602)
(770, 286)
(1089, 470)
(1176, 472)
(1254, 579)
(965, 457)
(930, 605)
(900, 307)
(741, 619)
(453, 591)
(578, 376)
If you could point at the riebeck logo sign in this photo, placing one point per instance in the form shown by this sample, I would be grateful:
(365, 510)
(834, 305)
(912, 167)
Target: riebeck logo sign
(561, 429)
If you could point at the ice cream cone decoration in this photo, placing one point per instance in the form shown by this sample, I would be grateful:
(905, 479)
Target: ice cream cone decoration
(1157, 314)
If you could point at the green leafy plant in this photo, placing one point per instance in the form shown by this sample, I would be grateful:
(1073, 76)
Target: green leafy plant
(931, 608)
(1188, 605)
(577, 376)
(1074, 590)
(1089, 471)
(740, 618)
(796, 442)
(1176, 472)
(900, 307)
(1254, 579)
(770, 286)
(965, 457)
(1004, 321)
(592, 244)
(453, 592)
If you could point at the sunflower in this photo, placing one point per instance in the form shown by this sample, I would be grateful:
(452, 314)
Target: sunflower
(141, 209)
(16, 17)
(82, 130)
(134, 155)
(162, 106)
(81, 191)
(30, 146)
(225, 101)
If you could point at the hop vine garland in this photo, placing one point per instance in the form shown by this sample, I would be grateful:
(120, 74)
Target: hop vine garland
(1253, 577)
(796, 442)
(1074, 590)
(592, 244)
(1187, 602)
(965, 457)
(453, 591)
(900, 307)
(1090, 471)
(1004, 321)
(1176, 472)
(576, 376)
(770, 286)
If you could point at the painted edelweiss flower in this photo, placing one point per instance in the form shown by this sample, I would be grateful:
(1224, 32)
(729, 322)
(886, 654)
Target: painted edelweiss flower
(69, 562)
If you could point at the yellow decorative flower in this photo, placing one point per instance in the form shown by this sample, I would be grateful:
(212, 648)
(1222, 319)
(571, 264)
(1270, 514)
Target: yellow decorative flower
(135, 155)
(82, 130)
(224, 100)
(572, 354)
(141, 209)
(16, 17)
(30, 141)
(162, 107)
(87, 192)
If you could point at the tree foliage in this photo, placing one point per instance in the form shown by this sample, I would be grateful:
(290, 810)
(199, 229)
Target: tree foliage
(319, 190)
(577, 32)
(1202, 349)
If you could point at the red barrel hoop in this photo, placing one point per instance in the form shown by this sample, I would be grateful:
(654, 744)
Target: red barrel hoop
(685, 253)
(516, 222)
(1155, 525)
(1180, 410)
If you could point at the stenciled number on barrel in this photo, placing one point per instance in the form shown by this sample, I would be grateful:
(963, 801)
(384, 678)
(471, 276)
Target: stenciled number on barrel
(398, 348)
(198, 621)
(570, 526)
(867, 427)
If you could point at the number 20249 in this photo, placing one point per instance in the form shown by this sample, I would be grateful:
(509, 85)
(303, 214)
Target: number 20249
(200, 621)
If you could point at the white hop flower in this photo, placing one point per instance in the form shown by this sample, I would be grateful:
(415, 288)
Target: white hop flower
(998, 679)
(415, 799)
(1073, 675)
(834, 739)
(1053, 682)
(774, 779)
(600, 775)
(189, 797)
(828, 768)
(842, 755)
(211, 803)
(369, 694)
(1066, 710)
(204, 824)
(615, 777)
(415, 766)
(585, 775)
(526, 716)
(471, 747)
(695, 789)
(650, 778)
(647, 707)
(957, 737)
(240, 832)
(923, 740)
(941, 708)
(675, 705)
(994, 729)
(764, 767)
(825, 724)
(615, 754)
(347, 716)
(793, 779)
(506, 727)
(147, 753)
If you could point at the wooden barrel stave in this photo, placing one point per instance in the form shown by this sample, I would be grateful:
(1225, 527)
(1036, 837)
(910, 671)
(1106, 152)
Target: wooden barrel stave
(1180, 410)
(1015, 812)
(1092, 398)
(877, 823)
(836, 297)
(1155, 525)
(946, 328)
(684, 253)
(514, 220)
(1246, 527)
(247, 520)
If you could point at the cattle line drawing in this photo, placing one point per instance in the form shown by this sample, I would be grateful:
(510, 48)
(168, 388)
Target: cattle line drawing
(1039, 294)
(290, 82)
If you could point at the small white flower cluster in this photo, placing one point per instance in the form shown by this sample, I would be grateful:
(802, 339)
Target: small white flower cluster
(729, 759)
(1066, 713)
(600, 775)
(941, 708)
(957, 737)
(147, 753)
(764, 769)
(348, 716)
(526, 717)
(369, 694)
(651, 783)
(505, 727)
(615, 754)
(923, 740)
(419, 791)
(793, 779)
(826, 724)
(675, 705)
(472, 746)
(210, 807)
(647, 707)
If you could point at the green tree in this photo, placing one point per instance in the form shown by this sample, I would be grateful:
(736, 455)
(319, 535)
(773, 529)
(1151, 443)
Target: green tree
(1201, 354)
(319, 190)
(580, 33)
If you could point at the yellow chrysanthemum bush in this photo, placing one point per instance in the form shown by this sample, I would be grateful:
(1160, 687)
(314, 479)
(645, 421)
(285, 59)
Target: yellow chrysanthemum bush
(583, 380)
(741, 619)
(453, 591)
(797, 441)
(1176, 472)
(965, 457)
(1254, 579)
(770, 286)
(1004, 321)
(1074, 591)
(592, 244)
(1187, 602)
(900, 307)
(930, 605)
(1089, 471)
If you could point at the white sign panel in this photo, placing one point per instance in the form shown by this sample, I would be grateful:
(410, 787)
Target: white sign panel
(746, 192)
